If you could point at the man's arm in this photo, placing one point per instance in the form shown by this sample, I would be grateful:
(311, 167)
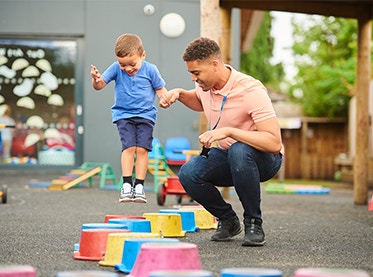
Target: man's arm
(266, 138)
(187, 97)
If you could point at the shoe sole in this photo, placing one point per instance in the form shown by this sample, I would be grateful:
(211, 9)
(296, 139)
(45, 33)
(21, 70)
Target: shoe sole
(228, 238)
(139, 200)
(253, 243)
(125, 200)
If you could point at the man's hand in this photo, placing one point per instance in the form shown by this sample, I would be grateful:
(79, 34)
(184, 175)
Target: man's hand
(168, 98)
(209, 137)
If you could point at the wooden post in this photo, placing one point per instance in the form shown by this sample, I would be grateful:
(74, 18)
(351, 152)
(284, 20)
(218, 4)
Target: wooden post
(210, 27)
(304, 157)
(361, 161)
(225, 43)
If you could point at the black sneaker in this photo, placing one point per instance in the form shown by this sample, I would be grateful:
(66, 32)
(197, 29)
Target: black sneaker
(227, 229)
(254, 234)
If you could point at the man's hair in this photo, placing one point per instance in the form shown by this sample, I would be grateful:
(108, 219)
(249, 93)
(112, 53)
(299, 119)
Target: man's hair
(201, 49)
(127, 45)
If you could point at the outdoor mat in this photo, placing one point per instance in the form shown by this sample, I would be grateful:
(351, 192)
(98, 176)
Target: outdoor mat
(295, 189)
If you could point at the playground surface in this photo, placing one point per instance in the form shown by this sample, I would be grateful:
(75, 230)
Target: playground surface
(39, 227)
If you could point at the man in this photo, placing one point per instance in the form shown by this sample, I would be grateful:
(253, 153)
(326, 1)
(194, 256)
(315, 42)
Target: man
(244, 126)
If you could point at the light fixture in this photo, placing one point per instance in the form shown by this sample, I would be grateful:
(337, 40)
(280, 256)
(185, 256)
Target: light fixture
(149, 9)
(172, 25)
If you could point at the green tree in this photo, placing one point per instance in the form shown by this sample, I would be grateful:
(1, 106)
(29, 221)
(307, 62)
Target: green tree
(325, 55)
(256, 62)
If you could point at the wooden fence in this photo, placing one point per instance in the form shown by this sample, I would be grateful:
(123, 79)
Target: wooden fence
(310, 151)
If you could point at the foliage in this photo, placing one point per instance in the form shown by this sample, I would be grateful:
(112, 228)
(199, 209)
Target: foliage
(325, 55)
(256, 62)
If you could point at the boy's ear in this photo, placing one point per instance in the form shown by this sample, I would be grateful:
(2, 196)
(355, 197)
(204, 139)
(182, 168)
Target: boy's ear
(143, 55)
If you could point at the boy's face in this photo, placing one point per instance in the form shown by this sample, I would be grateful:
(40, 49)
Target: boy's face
(131, 64)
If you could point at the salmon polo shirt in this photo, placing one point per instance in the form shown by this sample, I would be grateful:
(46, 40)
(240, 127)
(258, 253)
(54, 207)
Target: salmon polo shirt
(247, 102)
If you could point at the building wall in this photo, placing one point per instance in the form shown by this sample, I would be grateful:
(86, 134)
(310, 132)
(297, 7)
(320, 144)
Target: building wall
(96, 25)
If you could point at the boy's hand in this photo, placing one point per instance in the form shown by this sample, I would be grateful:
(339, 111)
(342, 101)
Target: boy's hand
(95, 73)
(164, 100)
(97, 82)
(168, 98)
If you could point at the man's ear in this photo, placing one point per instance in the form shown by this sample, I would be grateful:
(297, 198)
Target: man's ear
(215, 64)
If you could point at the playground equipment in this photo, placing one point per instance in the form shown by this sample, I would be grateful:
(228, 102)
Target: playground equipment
(4, 188)
(171, 186)
(173, 150)
(171, 256)
(157, 165)
(165, 180)
(86, 172)
(4, 194)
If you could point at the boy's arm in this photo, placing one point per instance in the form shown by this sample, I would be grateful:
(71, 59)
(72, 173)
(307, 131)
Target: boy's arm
(163, 97)
(161, 92)
(97, 82)
(187, 97)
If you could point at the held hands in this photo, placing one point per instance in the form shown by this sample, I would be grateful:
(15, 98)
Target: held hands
(168, 98)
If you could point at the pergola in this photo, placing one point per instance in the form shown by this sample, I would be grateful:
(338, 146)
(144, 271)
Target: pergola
(216, 24)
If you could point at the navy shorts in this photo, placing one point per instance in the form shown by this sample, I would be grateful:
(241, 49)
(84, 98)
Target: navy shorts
(135, 131)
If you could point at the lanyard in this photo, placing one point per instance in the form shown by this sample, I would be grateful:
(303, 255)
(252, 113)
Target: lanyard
(221, 109)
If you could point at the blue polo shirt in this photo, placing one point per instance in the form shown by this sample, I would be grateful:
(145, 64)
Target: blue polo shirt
(134, 95)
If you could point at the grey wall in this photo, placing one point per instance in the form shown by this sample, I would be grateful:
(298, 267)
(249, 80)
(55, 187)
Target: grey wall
(96, 24)
(164, 52)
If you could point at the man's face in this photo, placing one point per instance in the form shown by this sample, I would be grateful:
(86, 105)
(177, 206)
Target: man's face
(131, 64)
(203, 73)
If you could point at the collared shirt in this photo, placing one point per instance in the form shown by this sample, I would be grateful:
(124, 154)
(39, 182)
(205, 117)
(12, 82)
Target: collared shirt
(247, 103)
(134, 95)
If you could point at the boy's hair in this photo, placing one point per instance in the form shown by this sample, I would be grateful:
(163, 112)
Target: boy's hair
(201, 49)
(127, 45)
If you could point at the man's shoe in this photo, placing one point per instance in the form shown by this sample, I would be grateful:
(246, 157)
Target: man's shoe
(227, 229)
(254, 234)
(139, 195)
(126, 193)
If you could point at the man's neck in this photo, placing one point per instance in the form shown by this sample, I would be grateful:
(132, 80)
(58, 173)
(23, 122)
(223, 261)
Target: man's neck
(223, 79)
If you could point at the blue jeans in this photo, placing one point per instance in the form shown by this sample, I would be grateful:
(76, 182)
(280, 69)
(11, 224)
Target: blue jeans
(241, 166)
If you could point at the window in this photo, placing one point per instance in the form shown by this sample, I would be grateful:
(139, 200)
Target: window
(37, 83)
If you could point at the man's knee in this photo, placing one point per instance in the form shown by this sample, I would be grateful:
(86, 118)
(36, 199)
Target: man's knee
(240, 150)
(183, 176)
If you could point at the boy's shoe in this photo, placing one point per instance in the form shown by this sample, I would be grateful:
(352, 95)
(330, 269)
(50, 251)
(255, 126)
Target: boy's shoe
(254, 234)
(126, 193)
(227, 229)
(139, 194)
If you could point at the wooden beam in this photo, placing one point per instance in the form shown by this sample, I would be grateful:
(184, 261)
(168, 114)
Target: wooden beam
(361, 163)
(225, 40)
(304, 156)
(256, 20)
(210, 27)
(349, 9)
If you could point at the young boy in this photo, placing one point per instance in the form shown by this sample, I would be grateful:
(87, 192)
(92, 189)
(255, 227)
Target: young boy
(136, 83)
